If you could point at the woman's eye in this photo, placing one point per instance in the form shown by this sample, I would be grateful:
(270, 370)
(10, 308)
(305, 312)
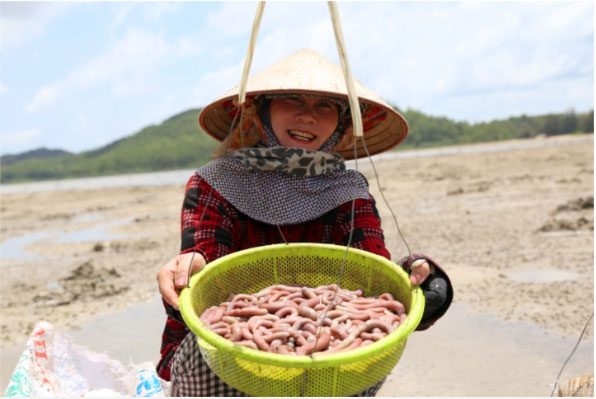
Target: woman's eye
(325, 105)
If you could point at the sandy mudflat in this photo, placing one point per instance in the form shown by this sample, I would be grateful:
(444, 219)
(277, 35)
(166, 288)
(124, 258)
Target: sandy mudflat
(512, 226)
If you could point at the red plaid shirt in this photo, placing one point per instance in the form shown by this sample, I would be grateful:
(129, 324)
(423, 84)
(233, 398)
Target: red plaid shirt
(225, 230)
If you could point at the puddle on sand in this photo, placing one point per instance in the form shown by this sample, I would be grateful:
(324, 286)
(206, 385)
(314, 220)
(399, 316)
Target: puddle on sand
(542, 276)
(89, 217)
(16, 248)
(95, 233)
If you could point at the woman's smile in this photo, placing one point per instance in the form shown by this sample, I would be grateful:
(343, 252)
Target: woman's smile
(301, 135)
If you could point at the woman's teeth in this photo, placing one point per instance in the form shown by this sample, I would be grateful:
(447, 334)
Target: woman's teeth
(300, 135)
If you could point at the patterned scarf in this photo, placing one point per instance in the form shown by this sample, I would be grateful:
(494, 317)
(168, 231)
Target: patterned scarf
(280, 185)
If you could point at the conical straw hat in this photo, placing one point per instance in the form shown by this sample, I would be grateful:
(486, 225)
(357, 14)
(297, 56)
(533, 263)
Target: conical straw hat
(308, 72)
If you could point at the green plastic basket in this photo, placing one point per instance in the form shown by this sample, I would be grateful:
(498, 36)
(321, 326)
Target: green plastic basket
(259, 373)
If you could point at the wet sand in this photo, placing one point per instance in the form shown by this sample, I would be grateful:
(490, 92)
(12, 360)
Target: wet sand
(513, 227)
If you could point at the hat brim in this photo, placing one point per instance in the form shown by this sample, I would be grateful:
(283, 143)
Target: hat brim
(309, 73)
(382, 136)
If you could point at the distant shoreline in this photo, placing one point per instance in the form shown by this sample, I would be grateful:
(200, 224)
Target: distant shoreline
(180, 176)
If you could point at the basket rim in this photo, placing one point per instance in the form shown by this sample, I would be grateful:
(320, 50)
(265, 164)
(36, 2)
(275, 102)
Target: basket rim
(303, 361)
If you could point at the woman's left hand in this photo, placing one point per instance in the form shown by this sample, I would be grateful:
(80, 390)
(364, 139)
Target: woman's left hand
(419, 271)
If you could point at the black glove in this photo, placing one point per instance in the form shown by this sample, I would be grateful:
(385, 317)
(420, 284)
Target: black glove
(436, 291)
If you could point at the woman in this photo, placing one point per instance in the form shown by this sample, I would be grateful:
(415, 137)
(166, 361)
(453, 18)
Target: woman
(280, 177)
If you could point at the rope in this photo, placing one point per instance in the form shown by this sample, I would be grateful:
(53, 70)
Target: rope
(358, 131)
(343, 58)
(383, 196)
(571, 354)
(250, 51)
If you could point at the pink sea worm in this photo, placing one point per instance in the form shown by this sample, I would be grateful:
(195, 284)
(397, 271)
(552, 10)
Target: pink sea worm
(242, 305)
(287, 311)
(372, 324)
(315, 345)
(339, 333)
(275, 345)
(219, 324)
(372, 336)
(246, 333)
(229, 319)
(248, 312)
(359, 314)
(363, 301)
(277, 296)
(386, 296)
(300, 324)
(221, 331)
(307, 312)
(258, 339)
(248, 344)
(298, 301)
(278, 335)
(348, 340)
(320, 306)
(259, 323)
(311, 303)
(236, 334)
(244, 298)
(354, 314)
(275, 306)
(206, 315)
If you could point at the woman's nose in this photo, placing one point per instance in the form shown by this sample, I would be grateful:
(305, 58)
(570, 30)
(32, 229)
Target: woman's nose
(307, 114)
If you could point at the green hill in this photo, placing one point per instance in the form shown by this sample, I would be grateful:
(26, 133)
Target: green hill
(178, 143)
(37, 153)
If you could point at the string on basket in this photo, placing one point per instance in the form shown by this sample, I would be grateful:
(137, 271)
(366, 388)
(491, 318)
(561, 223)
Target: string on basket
(556, 384)
(358, 133)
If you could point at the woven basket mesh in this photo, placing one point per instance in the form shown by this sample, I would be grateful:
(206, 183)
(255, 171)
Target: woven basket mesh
(259, 373)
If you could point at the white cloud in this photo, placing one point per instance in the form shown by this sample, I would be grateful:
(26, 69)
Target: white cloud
(218, 82)
(45, 96)
(125, 68)
(3, 89)
(156, 11)
(18, 139)
(151, 12)
(21, 22)
(122, 15)
(413, 54)
(235, 18)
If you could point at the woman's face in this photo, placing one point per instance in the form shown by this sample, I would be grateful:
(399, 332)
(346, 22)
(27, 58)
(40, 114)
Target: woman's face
(304, 121)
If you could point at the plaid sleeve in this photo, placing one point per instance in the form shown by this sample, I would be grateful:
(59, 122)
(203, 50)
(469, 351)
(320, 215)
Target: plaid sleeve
(207, 221)
(207, 227)
(367, 234)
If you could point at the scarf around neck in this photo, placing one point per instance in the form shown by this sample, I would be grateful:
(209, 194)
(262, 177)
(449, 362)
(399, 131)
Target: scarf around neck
(280, 185)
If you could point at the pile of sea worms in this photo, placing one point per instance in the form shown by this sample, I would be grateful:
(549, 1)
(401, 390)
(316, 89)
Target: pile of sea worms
(302, 320)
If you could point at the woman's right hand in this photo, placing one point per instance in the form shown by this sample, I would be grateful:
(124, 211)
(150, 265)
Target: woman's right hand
(173, 276)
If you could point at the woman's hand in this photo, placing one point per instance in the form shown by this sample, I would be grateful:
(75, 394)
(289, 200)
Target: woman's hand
(419, 271)
(173, 276)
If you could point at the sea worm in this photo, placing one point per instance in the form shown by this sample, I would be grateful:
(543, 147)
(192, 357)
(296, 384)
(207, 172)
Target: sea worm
(248, 312)
(303, 320)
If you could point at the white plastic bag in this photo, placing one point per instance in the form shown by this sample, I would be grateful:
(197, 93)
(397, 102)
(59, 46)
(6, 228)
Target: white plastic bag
(52, 365)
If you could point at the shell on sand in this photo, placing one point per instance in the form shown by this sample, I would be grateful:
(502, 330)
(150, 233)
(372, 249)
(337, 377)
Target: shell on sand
(578, 386)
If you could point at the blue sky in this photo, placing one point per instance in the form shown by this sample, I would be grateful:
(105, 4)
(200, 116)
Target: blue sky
(77, 76)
